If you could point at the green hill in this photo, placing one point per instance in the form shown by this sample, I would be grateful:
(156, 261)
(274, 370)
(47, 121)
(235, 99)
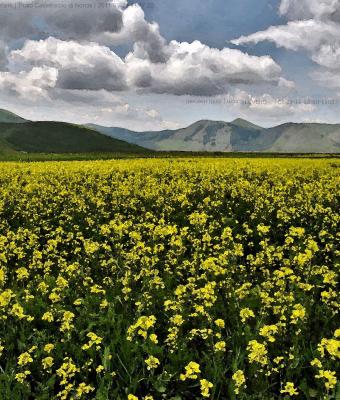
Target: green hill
(58, 137)
(7, 116)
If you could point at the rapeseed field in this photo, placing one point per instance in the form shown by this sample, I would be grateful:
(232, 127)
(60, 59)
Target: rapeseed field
(169, 279)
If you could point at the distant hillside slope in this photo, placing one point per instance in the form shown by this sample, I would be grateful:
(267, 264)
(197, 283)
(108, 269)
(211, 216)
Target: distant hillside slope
(238, 135)
(58, 137)
(311, 138)
(7, 116)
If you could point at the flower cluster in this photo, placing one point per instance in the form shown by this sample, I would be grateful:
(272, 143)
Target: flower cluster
(169, 279)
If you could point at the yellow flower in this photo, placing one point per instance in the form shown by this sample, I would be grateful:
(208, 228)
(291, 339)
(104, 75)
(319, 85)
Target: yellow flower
(331, 345)
(18, 311)
(67, 370)
(220, 323)
(177, 320)
(21, 376)
(329, 377)
(67, 319)
(205, 387)
(267, 331)
(47, 362)
(24, 359)
(2, 276)
(94, 340)
(152, 362)
(246, 313)
(99, 369)
(257, 352)
(78, 302)
(299, 312)
(191, 371)
(104, 304)
(22, 273)
(47, 316)
(48, 347)
(153, 338)
(142, 326)
(289, 389)
(220, 346)
(132, 397)
(54, 297)
(263, 229)
(316, 363)
(239, 380)
(84, 389)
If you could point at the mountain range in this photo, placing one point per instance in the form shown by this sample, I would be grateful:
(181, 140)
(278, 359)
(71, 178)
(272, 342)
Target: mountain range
(20, 135)
(236, 136)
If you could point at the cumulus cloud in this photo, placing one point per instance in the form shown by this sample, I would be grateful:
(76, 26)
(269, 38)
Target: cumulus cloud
(68, 54)
(113, 23)
(80, 48)
(196, 69)
(306, 9)
(313, 26)
(33, 84)
(81, 66)
(145, 37)
(191, 68)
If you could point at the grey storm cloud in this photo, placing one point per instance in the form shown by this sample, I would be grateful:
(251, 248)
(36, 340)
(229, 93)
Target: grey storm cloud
(44, 18)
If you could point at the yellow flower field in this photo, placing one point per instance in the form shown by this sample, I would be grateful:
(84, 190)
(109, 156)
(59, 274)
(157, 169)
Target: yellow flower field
(169, 279)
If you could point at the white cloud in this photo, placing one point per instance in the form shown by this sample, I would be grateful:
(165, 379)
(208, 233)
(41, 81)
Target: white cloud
(115, 23)
(82, 106)
(269, 106)
(296, 35)
(191, 68)
(330, 79)
(314, 27)
(30, 85)
(146, 38)
(305, 9)
(328, 56)
(196, 69)
(71, 50)
(80, 66)
(286, 84)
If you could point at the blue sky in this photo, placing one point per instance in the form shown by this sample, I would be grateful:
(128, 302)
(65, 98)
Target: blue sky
(150, 65)
(213, 22)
